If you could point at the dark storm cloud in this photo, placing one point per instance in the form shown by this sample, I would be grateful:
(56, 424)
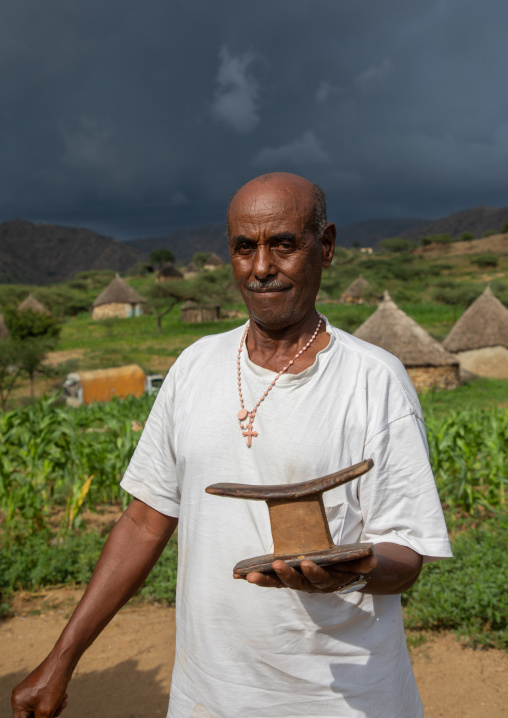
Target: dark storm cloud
(138, 118)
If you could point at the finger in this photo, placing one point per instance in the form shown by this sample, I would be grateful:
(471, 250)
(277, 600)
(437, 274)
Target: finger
(239, 575)
(289, 577)
(360, 565)
(266, 580)
(322, 579)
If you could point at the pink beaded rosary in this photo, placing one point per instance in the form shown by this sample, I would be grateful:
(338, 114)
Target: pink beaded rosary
(244, 413)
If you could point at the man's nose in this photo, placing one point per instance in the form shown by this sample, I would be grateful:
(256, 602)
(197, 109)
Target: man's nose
(263, 263)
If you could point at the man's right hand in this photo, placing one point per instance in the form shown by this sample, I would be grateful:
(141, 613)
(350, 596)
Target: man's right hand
(133, 547)
(42, 694)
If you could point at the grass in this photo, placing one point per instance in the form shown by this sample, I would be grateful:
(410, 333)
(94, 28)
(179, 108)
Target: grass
(476, 394)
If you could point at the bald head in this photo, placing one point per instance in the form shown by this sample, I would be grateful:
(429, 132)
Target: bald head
(295, 190)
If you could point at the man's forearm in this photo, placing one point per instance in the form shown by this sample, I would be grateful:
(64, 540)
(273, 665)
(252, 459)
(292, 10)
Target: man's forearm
(397, 569)
(131, 551)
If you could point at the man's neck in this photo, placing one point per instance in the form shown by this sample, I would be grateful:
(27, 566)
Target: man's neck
(274, 348)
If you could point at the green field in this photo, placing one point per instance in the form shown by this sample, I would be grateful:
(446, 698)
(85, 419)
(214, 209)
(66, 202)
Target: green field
(56, 462)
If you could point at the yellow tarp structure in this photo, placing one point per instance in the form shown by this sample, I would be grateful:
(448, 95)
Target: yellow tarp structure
(104, 384)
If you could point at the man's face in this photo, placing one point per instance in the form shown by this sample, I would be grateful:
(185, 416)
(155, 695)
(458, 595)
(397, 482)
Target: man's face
(277, 261)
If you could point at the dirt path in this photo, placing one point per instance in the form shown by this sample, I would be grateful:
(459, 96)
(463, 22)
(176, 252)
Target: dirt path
(127, 673)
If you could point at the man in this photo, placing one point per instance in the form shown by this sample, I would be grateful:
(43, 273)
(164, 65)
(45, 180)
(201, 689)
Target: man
(286, 399)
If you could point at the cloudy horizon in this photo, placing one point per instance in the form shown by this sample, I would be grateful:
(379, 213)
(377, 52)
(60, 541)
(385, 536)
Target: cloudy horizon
(138, 120)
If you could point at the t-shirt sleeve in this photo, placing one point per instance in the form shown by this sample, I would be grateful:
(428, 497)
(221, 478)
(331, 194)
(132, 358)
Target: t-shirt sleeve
(151, 474)
(398, 497)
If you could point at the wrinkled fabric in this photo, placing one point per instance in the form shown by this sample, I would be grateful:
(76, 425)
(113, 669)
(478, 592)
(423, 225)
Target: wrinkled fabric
(249, 652)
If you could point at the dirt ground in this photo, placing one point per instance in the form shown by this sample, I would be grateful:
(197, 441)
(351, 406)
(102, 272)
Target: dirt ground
(127, 672)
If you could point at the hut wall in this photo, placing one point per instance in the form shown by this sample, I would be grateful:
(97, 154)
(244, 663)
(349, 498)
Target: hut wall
(488, 361)
(439, 377)
(115, 309)
(200, 314)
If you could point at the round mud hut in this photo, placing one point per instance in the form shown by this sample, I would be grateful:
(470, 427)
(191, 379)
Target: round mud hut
(356, 291)
(167, 273)
(479, 339)
(118, 300)
(426, 362)
(195, 313)
(31, 304)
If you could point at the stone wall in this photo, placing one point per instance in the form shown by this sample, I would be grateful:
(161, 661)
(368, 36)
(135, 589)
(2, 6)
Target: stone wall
(439, 377)
(489, 361)
(115, 309)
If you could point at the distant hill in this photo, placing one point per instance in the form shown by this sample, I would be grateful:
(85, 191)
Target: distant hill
(183, 244)
(476, 221)
(212, 237)
(43, 253)
(370, 233)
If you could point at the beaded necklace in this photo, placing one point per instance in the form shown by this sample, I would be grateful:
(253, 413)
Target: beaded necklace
(244, 413)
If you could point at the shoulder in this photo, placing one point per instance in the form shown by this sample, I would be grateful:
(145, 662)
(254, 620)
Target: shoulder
(206, 353)
(382, 372)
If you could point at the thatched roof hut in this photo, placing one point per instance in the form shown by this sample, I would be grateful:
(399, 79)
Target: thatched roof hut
(427, 363)
(479, 339)
(4, 332)
(195, 313)
(33, 305)
(355, 292)
(213, 262)
(167, 272)
(118, 300)
(483, 324)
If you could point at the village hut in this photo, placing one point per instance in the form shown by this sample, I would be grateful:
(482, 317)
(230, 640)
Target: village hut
(167, 273)
(31, 304)
(4, 332)
(118, 300)
(213, 262)
(426, 362)
(479, 339)
(190, 271)
(354, 294)
(194, 313)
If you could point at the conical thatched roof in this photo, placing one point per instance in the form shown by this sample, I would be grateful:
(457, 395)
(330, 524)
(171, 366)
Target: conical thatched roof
(483, 324)
(214, 260)
(168, 269)
(118, 292)
(191, 267)
(390, 328)
(32, 304)
(357, 288)
(4, 332)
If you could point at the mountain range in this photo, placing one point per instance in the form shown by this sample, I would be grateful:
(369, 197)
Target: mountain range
(33, 253)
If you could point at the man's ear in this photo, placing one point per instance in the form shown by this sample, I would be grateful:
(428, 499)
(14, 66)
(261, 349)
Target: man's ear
(328, 244)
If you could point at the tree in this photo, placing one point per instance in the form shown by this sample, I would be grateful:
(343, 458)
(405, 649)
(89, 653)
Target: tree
(161, 255)
(30, 356)
(29, 324)
(200, 258)
(9, 370)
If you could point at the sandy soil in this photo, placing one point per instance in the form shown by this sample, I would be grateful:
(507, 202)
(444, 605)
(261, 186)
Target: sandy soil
(127, 672)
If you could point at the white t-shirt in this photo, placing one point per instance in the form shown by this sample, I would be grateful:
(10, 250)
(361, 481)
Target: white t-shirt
(248, 652)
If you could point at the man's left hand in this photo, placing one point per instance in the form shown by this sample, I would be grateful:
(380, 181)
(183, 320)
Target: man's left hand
(312, 578)
(392, 569)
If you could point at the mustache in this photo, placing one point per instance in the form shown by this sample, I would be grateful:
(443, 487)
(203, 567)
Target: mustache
(269, 284)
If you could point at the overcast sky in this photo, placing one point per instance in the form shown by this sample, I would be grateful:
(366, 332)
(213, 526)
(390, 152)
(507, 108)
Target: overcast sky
(138, 118)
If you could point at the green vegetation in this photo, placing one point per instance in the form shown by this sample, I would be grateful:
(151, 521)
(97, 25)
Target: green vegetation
(54, 462)
(466, 594)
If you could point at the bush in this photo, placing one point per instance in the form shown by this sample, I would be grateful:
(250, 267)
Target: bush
(458, 295)
(398, 245)
(466, 236)
(468, 593)
(485, 260)
(490, 233)
(29, 324)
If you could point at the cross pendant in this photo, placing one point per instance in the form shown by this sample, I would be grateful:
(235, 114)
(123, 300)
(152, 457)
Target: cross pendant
(249, 434)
